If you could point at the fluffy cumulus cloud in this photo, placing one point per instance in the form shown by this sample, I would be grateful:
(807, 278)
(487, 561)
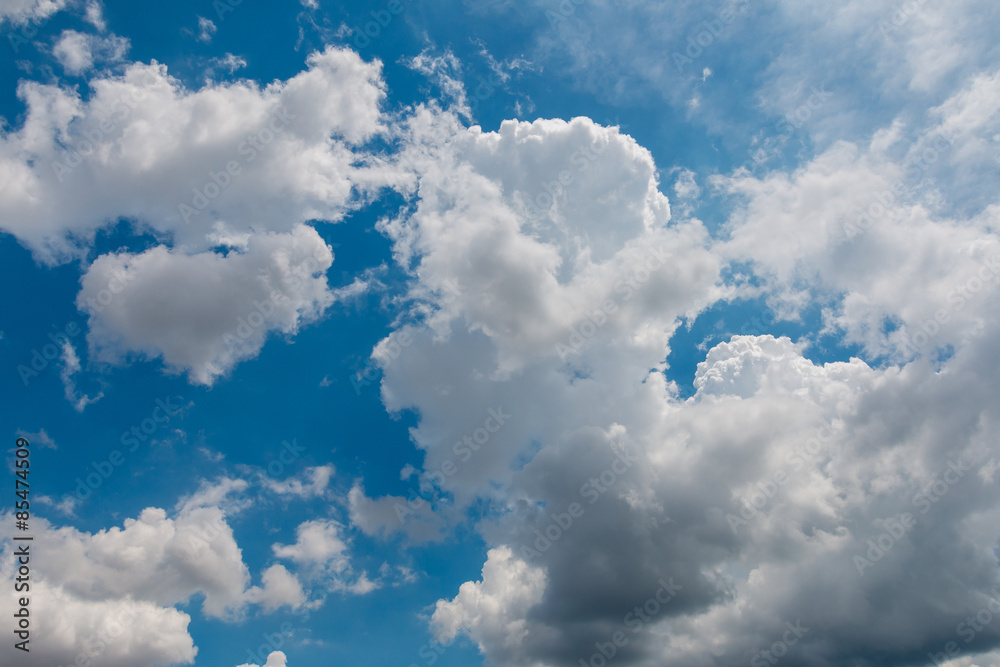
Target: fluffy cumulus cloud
(837, 511)
(204, 312)
(321, 552)
(113, 631)
(142, 147)
(493, 611)
(527, 290)
(865, 231)
(783, 499)
(111, 596)
(232, 165)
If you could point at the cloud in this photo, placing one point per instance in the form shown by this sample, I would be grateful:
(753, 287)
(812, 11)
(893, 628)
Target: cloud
(185, 164)
(78, 52)
(445, 71)
(549, 285)
(281, 589)
(66, 506)
(228, 62)
(686, 185)
(71, 367)
(232, 165)
(644, 54)
(111, 595)
(151, 558)
(222, 493)
(119, 632)
(275, 659)
(862, 231)
(23, 11)
(517, 269)
(321, 552)
(318, 543)
(94, 15)
(385, 515)
(318, 479)
(204, 313)
(206, 29)
(41, 438)
(546, 280)
(493, 611)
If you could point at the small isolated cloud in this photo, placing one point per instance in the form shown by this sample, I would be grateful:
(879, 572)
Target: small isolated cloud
(311, 484)
(71, 366)
(206, 29)
(95, 15)
(78, 52)
(40, 439)
(318, 543)
(205, 313)
(321, 552)
(211, 455)
(65, 506)
(229, 62)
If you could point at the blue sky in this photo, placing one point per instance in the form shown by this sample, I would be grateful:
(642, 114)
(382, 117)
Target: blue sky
(454, 333)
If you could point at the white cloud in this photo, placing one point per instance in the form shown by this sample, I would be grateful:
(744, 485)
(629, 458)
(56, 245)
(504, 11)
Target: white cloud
(229, 62)
(95, 15)
(222, 493)
(321, 551)
(110, 595)
(179, 162)
(281, 589)
(77, 52)
(23, 11)
(204, 313)
(867, 235)
(71, 367)
(232, 164)
(206, 29)
(318, 543)
(737, 368)
(493, 611)
(73, 52)
(117, 632)
(547, 279)
(41, 438)
(508, 264)
(317, 480)
(530, 287)
(156, 558)
(445, 71)
(66, 506)
(686, 185)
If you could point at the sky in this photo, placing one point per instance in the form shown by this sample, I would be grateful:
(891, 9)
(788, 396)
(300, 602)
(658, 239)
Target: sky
(554, 333)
